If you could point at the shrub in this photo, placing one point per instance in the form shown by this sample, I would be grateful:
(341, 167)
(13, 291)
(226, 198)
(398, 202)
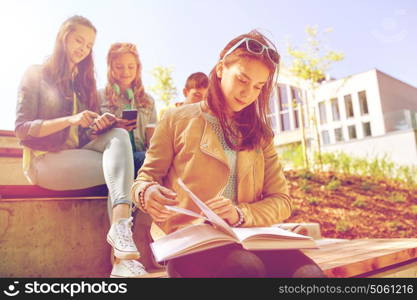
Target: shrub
(343, 226)
(413, 209)
(305, 186)
(313, 201)
(334, 184)
(367, 186)
(306, 174)
(397, 197)
(360, 203)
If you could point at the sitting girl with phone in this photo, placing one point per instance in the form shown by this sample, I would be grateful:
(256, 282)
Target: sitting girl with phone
(125, 91)
(223, 150)
(58, 124)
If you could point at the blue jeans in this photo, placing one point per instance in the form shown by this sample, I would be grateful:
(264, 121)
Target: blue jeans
(138, 159)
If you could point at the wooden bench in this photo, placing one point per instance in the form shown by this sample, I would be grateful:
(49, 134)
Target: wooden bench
(47, 233)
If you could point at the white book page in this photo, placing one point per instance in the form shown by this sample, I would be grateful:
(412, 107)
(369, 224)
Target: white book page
(211, 215)
(244, 233)
(185, 212)
(188, 240)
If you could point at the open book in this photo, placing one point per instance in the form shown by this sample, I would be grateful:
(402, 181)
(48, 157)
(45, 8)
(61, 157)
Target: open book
(216, 232)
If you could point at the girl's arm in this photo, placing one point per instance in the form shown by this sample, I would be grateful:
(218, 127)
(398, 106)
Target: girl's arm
(83, 119)
(276, 203)
(27, 125)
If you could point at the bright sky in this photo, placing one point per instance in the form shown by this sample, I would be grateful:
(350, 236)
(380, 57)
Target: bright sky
(189, 34)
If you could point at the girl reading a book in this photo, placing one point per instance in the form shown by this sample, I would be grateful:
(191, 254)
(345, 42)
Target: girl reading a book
(125, 91)
(223, 150)
(57, 122)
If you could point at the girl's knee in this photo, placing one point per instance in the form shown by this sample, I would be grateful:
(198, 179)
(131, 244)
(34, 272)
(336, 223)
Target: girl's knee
(119, 132)
(242, 263)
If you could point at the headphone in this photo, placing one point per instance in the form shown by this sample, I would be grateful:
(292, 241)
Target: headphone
(129, 92)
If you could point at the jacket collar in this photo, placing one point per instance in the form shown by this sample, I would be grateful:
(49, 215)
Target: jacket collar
(211, 145)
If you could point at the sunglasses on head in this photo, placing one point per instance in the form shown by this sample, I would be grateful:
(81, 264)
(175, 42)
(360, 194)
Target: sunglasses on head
(255, 47)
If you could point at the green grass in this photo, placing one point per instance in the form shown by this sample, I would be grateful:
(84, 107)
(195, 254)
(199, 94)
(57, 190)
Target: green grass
(360, 203)
(313, 201)
(397, 197)
(333, 185)
(343, 226)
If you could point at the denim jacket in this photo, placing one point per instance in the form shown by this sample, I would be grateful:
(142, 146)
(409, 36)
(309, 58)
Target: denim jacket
(40, 100)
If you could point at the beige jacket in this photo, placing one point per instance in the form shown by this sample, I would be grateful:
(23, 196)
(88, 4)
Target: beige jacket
(185, 145)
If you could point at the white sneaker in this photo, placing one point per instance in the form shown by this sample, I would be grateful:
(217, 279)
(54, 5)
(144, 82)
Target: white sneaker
(120, 237)
(127, 268)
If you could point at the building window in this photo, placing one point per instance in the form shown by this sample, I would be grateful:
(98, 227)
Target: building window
(352, 132)
(284, 114)
(335, 109)
(367, 129)
(349, 106)
(363, 103)
(338, 134)
(322, 113)
(285, 121)
(283, 97)
(325, 137)
(296, 101)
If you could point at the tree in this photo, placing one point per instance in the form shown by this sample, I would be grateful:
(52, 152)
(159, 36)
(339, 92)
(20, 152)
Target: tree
(163, 88)
(310, 64)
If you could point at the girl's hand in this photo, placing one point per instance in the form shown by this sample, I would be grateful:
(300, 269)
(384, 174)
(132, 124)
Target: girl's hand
(83, 119)
(125, 124)
(224, 208)
(156, 197)
(103, 122)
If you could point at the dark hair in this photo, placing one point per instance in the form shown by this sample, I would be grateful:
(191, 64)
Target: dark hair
(57, 71)
(249, 127)
(197, 80)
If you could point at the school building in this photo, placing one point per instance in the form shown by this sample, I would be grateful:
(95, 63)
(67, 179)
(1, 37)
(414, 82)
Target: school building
(369, 114)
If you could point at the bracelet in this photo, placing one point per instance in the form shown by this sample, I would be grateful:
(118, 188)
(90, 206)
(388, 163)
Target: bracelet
(142, 194)
(241, 218)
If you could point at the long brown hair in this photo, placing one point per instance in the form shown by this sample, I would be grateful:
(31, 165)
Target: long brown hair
(249, 127)
(56, 67)
(115, 51)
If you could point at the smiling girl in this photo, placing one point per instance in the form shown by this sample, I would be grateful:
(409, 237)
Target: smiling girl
(57, 105)
(223, 150)
(125, 91)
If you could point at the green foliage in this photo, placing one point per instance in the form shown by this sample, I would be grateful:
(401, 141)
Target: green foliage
(397, 197)
(367, 186)
(306, 174)
(305, 186)
(313, 201)
(376, 168)
(333, 185)
(343, 226)
(293, 155)
(312, 60)
(163, 88)
(395, 225)
(359, 202)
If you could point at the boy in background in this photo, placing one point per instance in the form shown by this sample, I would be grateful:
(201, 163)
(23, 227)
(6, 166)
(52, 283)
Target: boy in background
(196, 88)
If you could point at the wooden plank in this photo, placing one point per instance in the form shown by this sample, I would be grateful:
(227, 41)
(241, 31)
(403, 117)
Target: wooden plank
(53, 199)
(7, 133)
(36, 192)
(355, 257)
(11, 152)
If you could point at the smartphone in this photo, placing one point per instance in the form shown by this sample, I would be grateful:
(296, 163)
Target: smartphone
(130, 114)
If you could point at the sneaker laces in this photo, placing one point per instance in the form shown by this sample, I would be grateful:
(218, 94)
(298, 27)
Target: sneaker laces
(124, 232)
(135, 267)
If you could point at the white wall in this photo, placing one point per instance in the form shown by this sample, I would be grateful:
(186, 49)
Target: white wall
(400, 146)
